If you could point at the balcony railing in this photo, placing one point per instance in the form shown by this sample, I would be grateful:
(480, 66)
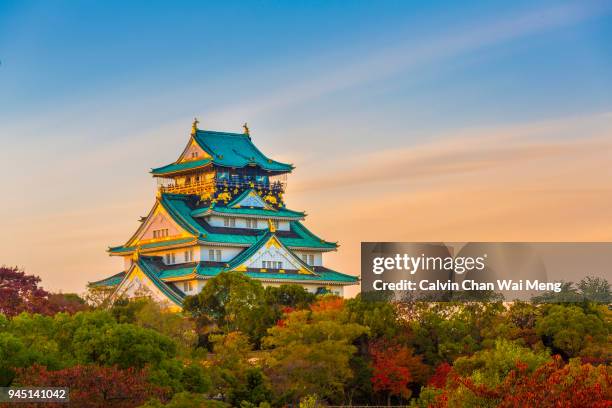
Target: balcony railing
(208, 187)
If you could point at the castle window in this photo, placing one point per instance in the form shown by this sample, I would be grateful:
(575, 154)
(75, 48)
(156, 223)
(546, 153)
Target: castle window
(187, 286)
(251, 223)
(194, 154)
(214, 255)
(272, 264)
(161, 233)
(308, 259)
(189, 255)
(170, 259)
(229, 222)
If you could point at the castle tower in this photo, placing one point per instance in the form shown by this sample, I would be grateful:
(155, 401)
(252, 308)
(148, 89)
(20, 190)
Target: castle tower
(220, 207)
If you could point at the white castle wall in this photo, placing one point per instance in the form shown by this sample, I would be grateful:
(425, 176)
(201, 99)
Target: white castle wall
(217, 221)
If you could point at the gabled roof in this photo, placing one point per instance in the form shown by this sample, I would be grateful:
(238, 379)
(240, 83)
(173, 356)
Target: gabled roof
(179, 167)
(152, 269)
(265, 240)
(249, 198)
(181, 208)
(236, 150)
(162, 275)
(234, 208)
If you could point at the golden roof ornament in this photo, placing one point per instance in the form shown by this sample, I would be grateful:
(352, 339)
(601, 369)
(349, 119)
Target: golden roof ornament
(272, 226)
(194, 126)
(246, 129)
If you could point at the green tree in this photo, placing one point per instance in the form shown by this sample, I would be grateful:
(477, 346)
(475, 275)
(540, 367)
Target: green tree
(294, 296)
(491, 366)
(151, 315)
(380, 316)
(230, 302)
(569, 330)
(311, 352)
(185, 400)
(234, 377)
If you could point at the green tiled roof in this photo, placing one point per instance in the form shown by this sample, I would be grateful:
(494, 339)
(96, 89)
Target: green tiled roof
(177, 167)
(323, 275)
(152, 245)
(110, 281)
(256, 212)
(176, 272)
(180, 208)
(152, 272)
(236, 150)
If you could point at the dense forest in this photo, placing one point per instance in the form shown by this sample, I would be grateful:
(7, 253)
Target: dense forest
(239, 344)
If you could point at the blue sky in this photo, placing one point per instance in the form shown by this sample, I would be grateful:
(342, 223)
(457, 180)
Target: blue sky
(93, 94)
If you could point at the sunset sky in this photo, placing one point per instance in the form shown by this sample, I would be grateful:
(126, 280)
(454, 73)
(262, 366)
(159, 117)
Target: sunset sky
(406, 121)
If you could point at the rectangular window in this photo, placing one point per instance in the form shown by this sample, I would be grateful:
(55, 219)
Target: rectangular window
(229, 222)
(305, 258)
(265, 264)
(310, 259)
(187, 286)
(251, 223)
(170, 259)
(214, 255)
(279, 265)
(189, 255)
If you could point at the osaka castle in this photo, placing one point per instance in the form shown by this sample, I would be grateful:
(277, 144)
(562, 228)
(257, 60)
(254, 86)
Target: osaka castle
(221, 207)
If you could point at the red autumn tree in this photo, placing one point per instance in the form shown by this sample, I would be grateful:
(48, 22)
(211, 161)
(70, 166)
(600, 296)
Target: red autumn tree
(328, 304)
(553, 384)
(20, 292)
(394, 368)
(93, 386)
(438, 379)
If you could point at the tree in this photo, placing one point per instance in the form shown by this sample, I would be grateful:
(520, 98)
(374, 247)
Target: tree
(311, 352)
(123, 344)
(185, 400)
(394, 367)
(294, 296)
(231, 301)
(491, 366)
(20, 293)
(67, 303)
(380, 316)
(551, 385)
(594, 289)
(93, 386)
(151, 315)
(443, 331)
(234, 377)
(569, 330)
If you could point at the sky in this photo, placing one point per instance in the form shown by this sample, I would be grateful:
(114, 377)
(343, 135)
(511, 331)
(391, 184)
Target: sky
(406, 121)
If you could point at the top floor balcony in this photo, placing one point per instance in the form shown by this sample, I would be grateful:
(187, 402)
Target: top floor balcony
(202, 185)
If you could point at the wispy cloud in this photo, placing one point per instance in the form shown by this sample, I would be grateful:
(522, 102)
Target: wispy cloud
(410, 53)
